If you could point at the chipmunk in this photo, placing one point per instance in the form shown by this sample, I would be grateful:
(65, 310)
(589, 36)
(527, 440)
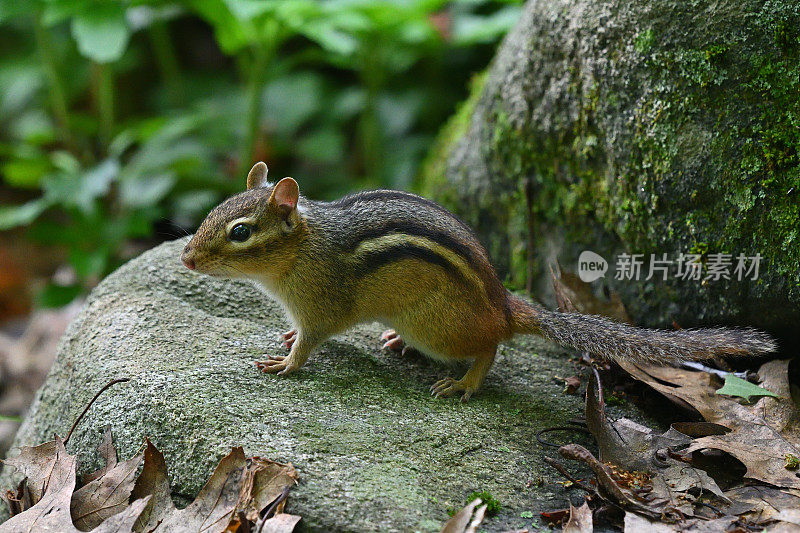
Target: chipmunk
(405, 261)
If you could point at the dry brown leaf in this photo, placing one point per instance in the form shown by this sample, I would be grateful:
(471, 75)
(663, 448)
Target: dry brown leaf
(572, 384)
(761, 504)
(607, 485)
(761, 433)
(554, 517)
(764, 433)
(637, 524)
(782, 527)
(52, 512)
(212, 509)
(259, 489)
(467, 519)
(561, 292)
(635, 447)
(36, 463)
(153, 482)
(580, 519)
(234, 486)
(105, 496)
(268, 480)
(575, 295)
(280, 523)
(109, 454)
(19, 500)
(789, 515)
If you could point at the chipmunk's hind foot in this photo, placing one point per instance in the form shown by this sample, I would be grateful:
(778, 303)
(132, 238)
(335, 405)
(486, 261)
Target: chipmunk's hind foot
(471, 381)
(394, 342)
(449, 386)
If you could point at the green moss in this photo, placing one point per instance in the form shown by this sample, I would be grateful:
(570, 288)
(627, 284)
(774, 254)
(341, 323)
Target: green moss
(432, 181)
(744, 92)
(492, 505)
(661, 137)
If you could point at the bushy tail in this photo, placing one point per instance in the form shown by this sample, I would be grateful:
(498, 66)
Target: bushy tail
(621, 342)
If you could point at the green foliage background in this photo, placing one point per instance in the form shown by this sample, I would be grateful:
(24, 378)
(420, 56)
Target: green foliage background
(125, 121)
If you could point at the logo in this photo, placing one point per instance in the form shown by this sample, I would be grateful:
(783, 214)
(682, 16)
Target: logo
(591, 266)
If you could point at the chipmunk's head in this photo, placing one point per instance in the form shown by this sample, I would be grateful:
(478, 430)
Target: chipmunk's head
(254, 234)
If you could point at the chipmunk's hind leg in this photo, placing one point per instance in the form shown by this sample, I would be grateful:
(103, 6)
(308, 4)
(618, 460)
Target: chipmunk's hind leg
(394, 342)
(471, 381)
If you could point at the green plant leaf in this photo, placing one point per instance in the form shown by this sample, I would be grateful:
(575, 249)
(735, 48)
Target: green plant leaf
(19, 82)
(10, 9)
(143, 191)
(88, 263)
(323, 145)
(330, 38)
(25, 173)
(232, 34)
(81, 189)
(473, 29)
(57, 11)
(248, 9)
(101, 32)
(742, 388)
(57, 295)
(21, 215)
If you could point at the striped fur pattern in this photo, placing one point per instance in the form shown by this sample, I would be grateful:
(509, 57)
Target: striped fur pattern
(406, 261)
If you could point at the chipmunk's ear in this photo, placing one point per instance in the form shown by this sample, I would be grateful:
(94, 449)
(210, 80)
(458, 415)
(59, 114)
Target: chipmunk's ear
(285, 195)
(257, 175)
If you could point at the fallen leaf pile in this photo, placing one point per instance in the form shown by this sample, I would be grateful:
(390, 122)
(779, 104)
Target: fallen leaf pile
(242, 494)
(735, 471)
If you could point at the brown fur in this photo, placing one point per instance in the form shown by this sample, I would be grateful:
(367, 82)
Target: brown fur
(409, 263)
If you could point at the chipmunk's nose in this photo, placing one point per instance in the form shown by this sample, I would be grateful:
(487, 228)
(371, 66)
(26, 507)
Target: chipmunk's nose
(187, 258)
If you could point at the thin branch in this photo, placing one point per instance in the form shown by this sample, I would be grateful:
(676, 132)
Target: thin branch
(101, 391)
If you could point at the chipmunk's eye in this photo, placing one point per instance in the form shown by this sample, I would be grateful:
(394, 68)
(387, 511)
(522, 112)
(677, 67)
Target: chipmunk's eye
(240, 232)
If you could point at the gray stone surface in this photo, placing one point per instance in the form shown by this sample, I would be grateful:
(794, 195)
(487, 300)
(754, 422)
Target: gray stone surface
(375, 452)
(639, 126)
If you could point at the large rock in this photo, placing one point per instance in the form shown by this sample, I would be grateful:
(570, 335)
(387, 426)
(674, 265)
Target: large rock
(643, 126)
(375, 452)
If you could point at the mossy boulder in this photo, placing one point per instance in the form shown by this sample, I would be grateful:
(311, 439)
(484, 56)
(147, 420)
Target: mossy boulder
(374, 450)
(644, 127)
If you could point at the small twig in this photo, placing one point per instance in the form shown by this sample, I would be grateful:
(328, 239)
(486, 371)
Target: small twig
(101, 391)
(270, 511)
(564, 472)
(693, 365)
(601, 403)
(716, 510)
(558, 428)
(605, 480)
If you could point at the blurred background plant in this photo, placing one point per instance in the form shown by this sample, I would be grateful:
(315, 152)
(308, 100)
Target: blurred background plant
(123, 122)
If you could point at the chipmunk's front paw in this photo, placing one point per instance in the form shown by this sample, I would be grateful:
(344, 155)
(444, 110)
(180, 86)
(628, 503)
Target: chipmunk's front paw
(394, 342)
(288, 338)
(277, 364)
(449, 386)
